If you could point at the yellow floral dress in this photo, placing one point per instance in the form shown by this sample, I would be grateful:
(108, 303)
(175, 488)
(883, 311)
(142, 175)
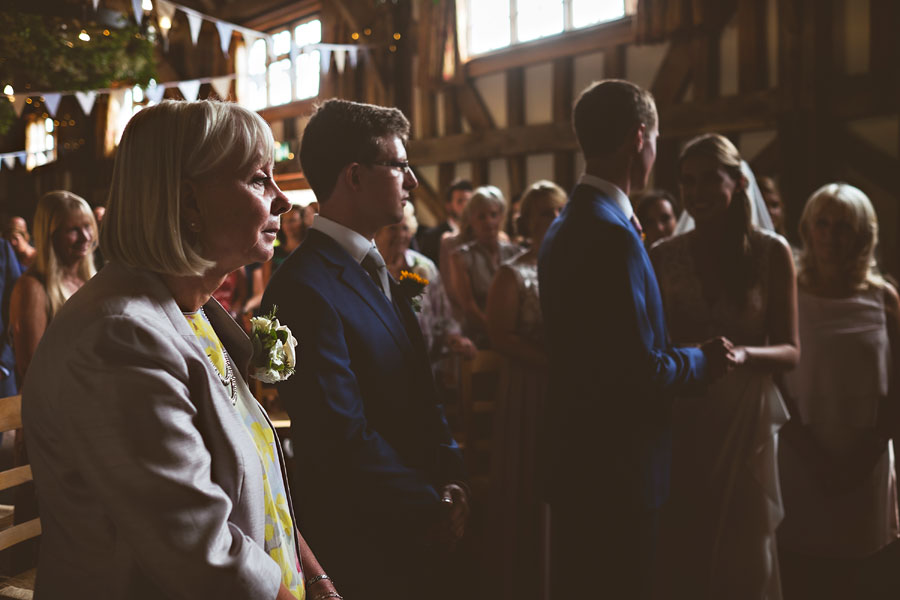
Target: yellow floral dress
(279, 531)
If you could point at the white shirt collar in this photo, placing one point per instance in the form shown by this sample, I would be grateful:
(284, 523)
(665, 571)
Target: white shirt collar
(356, 245)
(611, 190)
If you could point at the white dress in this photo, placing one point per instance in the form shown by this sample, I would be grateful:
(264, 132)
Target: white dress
(838, 385)
(718, 528)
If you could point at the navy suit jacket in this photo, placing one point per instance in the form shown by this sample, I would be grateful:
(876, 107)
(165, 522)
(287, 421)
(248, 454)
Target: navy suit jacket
(371, 442)
(612, 369)
(9, 273)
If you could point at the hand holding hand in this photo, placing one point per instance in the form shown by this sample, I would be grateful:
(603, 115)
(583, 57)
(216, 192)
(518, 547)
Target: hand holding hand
(719, 357)
(456, 498)
(462, 345)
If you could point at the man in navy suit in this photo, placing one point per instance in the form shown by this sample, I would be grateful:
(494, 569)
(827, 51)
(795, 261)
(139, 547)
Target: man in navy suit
(9, 273)
(606, 446)
(378, 488)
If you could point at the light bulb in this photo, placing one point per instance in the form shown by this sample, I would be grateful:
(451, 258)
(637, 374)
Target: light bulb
(83, 36)
(8, 90)
(147, 5)
(165, 23)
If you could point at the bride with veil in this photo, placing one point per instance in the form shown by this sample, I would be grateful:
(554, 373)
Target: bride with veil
(726, 274)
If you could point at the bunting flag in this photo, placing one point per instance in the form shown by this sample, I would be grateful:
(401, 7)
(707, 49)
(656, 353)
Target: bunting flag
(339, 59)
(225, 31)
(52, 102)
(325, 58)
(189, 89)
(222, 87)
(155, 93)
(136, 5)
(18, 104)
(195, 21)
(86, 100)
(96, 4)
(117, 96)
(9, 160)
(165, 10)
(351, 53)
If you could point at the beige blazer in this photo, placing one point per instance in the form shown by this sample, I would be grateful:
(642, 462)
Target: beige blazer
(148, 484)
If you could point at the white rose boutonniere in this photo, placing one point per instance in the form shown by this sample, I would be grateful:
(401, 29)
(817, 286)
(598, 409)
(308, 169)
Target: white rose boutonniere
(274, 356)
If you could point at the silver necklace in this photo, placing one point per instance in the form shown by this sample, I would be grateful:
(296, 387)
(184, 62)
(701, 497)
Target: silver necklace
(228, 380)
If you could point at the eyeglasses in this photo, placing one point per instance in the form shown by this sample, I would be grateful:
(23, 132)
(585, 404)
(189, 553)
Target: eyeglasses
(403, 165)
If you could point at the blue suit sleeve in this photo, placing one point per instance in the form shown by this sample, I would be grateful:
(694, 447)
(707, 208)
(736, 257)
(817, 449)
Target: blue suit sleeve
(10, 272)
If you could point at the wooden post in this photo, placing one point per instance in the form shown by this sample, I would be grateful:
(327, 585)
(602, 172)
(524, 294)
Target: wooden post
(563, 81)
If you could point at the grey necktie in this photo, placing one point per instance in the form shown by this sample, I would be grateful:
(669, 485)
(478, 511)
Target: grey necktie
(377, 270)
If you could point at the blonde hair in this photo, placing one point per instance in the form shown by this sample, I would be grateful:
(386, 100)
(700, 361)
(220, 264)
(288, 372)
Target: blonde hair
(860, 215)
(52, 210)
(409, 218)
(537, 190)
(486, 195)
(162, 147)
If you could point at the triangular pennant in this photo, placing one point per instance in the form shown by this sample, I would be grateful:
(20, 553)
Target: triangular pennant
(353, 57)
(249, 39)
(21, 156)
(18, 104)
(194, 21)
(165, 13)
(96, 4)
(189, 89)
(339, 59)
(222, 87)
(225, 30)
(325, 58)
(9, 160)
(117, 96)
(52, 102)
(86, 100)
(155, 93)
(136, 5)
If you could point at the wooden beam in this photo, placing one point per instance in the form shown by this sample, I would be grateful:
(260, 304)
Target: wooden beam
(426, 126)
(480, 172)
(515, 97)
(884, 43)
(582, 41)
(753, 60)
(473, 108)
(515, 171)
(614, 62)
(743, 112)
(861, 96)
(270, 18)
(427, 195)
(768, 161)
(674, 73)
(300, 108)
(452, 116)
(874, 163)
(706, 66)
(563, 82)
(492, 143)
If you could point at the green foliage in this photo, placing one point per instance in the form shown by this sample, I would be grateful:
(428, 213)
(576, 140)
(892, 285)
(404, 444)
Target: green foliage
(46, 54)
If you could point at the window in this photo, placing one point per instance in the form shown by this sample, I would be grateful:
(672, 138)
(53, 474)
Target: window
(122, 106)
(494, 24)
(291, 73)
(40, 142)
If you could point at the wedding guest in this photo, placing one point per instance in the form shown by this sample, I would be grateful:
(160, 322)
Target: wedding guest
(458, 195)
(518, 519)
(10, 271)
(294, 225)
(99, 213)
(729, 278)
(474, 263)
(442, 333)
(837, 469)
(65, 234)
(157, 472)
(383, 497)
(775, 206)
(605, 449)
(232, 293)
(656, 213)
(16, 233)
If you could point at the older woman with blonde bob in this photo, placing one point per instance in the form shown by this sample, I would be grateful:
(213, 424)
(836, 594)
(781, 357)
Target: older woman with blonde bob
(65, 234)
(474, 263)
(837, 474)
(157, 473)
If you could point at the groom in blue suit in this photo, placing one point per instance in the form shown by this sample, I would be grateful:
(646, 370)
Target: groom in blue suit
(379, 486)
(606, 446)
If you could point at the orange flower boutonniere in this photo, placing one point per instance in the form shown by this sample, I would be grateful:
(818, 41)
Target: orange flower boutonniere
(412, 286)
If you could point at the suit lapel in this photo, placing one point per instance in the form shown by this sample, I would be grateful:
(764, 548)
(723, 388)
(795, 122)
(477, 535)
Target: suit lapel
(408, 316)
(351, 274)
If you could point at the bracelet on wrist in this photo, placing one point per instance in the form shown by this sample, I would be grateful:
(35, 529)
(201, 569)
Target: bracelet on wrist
(327, 595)
(318, 578)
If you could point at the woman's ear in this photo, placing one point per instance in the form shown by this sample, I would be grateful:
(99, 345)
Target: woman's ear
(190, 209)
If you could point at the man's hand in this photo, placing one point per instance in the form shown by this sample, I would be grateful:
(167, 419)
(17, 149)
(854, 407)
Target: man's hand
(461, 345)
(452, 524)
(720, 356)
